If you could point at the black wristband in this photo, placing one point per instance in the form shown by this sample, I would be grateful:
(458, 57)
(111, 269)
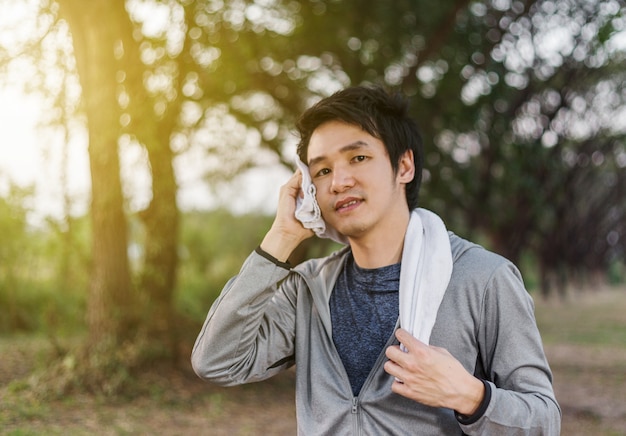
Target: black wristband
(271, 258)
(482, 408)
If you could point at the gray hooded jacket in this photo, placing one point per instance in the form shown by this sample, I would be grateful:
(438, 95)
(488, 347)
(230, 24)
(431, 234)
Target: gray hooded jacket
(269, 318)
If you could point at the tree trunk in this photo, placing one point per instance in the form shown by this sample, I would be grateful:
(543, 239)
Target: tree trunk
(104, 45)
(94, 32)
(161, 222)
(157, 278)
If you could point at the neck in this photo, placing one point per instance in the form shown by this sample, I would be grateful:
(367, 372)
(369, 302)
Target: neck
(381, 248)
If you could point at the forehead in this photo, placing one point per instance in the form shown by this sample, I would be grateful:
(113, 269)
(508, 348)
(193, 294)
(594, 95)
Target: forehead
(336, 137)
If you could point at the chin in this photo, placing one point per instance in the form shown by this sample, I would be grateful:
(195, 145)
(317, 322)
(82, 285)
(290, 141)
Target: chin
(352, 230)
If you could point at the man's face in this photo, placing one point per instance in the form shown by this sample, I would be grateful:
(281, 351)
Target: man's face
(356, 187)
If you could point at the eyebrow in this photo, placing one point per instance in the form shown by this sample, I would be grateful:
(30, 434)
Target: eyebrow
(346, 148)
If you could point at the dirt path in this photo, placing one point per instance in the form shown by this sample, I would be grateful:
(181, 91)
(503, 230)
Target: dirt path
(590, 384)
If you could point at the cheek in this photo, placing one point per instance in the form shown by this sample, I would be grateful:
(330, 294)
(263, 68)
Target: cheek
(323, 200)
(320, 189)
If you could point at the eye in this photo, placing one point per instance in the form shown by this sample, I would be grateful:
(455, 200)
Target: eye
(359, 158)
(322, 172)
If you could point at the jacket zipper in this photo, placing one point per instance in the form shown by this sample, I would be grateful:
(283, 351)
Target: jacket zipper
(356, 425)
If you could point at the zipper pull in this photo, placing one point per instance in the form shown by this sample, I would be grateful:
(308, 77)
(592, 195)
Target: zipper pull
(355, 405)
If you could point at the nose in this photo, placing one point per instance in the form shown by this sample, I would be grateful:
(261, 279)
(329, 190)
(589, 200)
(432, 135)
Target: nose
(342, 180)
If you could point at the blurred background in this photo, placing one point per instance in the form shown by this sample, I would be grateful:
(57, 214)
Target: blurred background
(143, 142)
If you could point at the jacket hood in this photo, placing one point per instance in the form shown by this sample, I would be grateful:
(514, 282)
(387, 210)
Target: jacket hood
(459, 246)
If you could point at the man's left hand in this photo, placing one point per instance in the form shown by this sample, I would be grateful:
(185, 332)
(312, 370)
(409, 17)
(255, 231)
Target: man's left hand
(432, 376)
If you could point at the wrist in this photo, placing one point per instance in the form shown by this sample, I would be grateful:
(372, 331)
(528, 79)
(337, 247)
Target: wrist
(279, 246)
(482, 408)
(471, 399)
(261, 252)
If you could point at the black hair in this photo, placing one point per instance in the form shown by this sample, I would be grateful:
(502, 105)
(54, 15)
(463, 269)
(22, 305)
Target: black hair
(383, 115)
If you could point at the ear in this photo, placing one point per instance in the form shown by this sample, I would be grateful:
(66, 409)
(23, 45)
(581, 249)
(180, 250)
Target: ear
(406, 167)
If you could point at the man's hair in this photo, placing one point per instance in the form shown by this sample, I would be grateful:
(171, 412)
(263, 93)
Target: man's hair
(384, 116)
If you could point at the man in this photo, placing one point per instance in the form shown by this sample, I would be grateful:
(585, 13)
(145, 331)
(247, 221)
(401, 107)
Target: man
(479, 369)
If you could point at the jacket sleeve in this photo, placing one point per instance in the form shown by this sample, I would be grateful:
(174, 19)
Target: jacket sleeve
(513, 363)
(249, 332)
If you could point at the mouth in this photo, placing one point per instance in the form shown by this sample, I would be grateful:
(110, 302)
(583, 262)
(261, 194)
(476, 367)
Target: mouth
(347, 204)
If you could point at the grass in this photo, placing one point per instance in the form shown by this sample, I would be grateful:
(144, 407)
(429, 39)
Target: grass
(593, 318)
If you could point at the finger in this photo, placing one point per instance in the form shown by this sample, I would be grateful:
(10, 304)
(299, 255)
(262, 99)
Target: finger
(292, 187)
(394, 353)
(395, 370)
(296, 183)
(399, 376)
(399, 387)
(411, 343)
(295, 180)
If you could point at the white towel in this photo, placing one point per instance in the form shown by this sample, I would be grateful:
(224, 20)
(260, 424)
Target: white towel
(426, 259)
(308, 211)
(424, 274)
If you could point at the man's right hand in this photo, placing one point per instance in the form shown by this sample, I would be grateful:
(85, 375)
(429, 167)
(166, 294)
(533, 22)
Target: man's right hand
(286, 232)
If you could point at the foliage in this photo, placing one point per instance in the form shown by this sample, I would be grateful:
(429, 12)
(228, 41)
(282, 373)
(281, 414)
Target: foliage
(13, 261)
(519, 102)
(43, 275)
(25, 296)
(213, 246)
(515, 100)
